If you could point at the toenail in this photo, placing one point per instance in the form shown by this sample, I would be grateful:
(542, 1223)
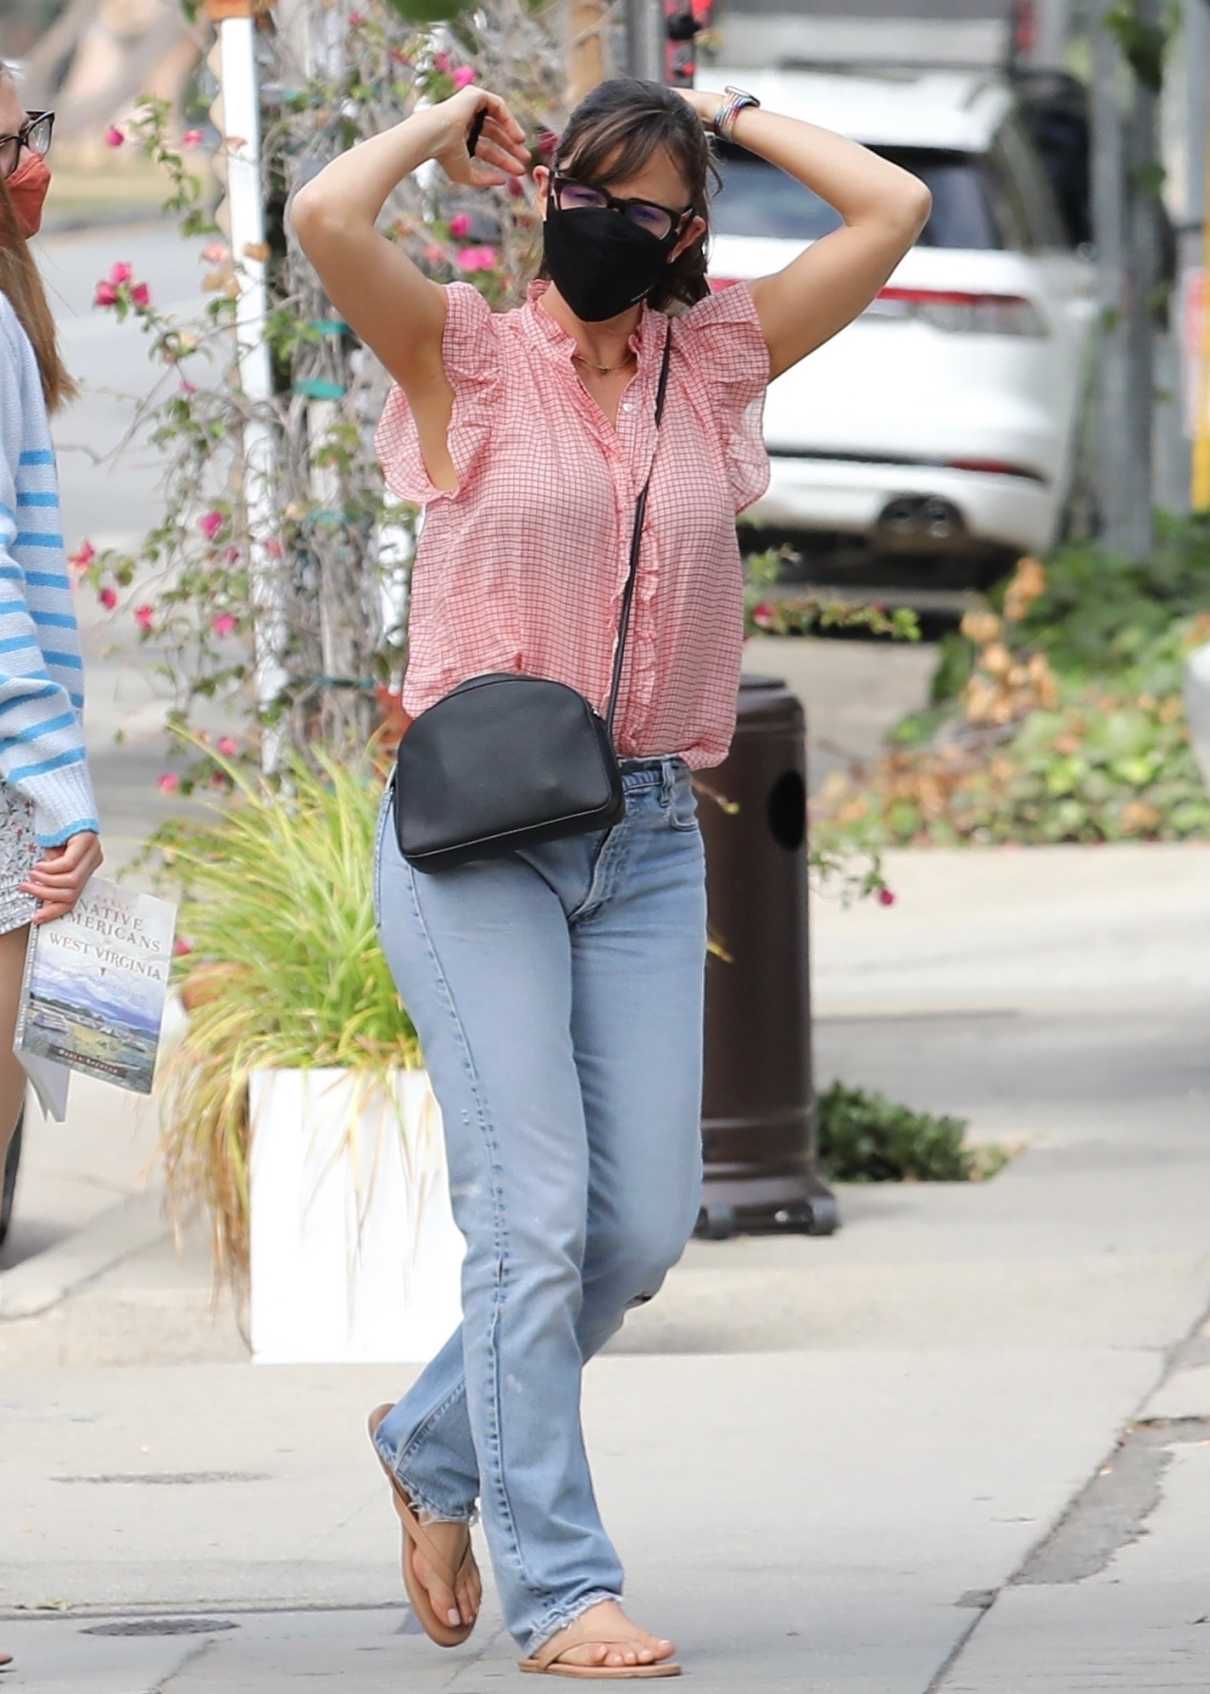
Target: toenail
(453, 1615)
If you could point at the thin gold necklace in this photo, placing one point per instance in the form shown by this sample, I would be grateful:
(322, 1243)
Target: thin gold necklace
(605, 370)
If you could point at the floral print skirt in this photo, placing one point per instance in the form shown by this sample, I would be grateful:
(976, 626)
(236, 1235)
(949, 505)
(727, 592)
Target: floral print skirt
(18, 853)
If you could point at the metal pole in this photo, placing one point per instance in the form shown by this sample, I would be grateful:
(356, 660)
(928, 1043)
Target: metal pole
(1115, 474)
(1195, 236)
(241, 125)
(645, 39)
(1142, 275)
(1054, 34)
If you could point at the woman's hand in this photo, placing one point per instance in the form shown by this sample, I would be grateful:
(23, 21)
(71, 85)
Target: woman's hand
(501, 151)
(706, 105)
(61, 876)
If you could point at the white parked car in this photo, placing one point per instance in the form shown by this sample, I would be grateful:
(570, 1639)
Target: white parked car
(951, 417)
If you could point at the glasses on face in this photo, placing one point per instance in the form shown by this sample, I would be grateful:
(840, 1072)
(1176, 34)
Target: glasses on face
(34, 134)
(657, 220)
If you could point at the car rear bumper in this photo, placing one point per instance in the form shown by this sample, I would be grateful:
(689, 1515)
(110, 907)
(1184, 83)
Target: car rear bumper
(908, 508)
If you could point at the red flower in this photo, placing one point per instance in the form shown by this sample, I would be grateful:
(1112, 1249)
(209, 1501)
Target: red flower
(114, 137)
(764, 615)
(357, 20)
(141, 294)
(168, 783)
(120, 273)
(228, 746)
(106, 295)
(181, 947)
(460, 226)
(144, 616)
(463, 77)
(84, 555)
(211, 524)
(192, 138)
(885, 897)
(224, 624)
(108, 598)
(441, 62)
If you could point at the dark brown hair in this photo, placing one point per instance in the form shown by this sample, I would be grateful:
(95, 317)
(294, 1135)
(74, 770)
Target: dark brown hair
(19, 280)
(612, 135)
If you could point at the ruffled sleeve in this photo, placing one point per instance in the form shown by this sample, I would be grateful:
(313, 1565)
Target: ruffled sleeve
(471, 357)
(723, 337)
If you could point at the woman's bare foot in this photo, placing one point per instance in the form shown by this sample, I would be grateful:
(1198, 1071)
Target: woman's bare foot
(461, 1604)
(637, 1646)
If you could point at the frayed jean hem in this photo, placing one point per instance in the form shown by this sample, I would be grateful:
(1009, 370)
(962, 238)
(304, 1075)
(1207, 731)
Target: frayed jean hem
(425, 1508)
(563, 1617)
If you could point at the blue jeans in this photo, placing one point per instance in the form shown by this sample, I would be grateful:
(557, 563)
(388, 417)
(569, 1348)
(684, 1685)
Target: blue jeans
(558, 993)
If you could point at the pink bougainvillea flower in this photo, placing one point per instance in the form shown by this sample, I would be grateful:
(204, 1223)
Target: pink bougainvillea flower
(144, 616)
(141, 294)
(763, 615)
(463, 77)
(114, 137)
(182, 947)
(357, 20)
(106, 295)
(108, 598)
(192, 138)
(441, 62)
(211, 524)
(232, 556)
(168, 783)
(477, 259)
(84, 555)
(228, 746)
(224, 624)
(460, 226)
(488, 258)
(219, 779)
(188, 387)
(120, 273)
(885, 897)
(214, 252)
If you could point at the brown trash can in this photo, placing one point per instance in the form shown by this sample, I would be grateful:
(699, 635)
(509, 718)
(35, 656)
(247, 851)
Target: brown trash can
(758, 1113)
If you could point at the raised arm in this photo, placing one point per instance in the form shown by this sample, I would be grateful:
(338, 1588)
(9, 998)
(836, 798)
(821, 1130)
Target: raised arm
(884, 209)
(390, 303)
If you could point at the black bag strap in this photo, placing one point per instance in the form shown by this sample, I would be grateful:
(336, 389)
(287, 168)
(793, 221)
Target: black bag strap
(636, 541)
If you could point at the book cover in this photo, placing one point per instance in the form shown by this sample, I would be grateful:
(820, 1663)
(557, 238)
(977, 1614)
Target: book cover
(95, 984)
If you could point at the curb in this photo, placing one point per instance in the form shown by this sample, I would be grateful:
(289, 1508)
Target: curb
(37, 1284)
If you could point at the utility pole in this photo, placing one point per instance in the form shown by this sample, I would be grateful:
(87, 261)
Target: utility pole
(1124, 156)
(645, 39)
(1195, 234)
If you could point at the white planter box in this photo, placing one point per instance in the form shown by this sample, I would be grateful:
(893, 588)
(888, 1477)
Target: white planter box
(355, 1257)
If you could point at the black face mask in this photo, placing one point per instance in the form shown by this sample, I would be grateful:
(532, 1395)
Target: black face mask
(600, 261)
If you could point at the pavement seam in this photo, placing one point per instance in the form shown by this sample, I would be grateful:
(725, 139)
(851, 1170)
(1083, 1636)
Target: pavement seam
(192, 1656)
(1137, 1423)
(118, 1233)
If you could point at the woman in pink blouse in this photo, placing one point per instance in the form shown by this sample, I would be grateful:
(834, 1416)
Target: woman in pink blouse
(558, 989)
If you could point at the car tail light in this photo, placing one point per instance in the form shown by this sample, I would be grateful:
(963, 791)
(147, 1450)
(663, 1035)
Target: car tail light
(961, 313)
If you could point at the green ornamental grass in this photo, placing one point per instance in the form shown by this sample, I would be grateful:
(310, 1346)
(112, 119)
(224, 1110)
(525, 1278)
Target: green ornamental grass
(284, 970)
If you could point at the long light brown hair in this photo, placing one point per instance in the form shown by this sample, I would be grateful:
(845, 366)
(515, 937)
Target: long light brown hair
(20, 281)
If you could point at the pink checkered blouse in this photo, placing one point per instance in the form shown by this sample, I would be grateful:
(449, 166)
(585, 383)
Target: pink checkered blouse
(522, 567)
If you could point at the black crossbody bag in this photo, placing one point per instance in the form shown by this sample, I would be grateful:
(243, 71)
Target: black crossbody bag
(505, 760)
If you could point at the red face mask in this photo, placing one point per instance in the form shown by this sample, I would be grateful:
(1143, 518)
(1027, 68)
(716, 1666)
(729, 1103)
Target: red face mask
(27, 189)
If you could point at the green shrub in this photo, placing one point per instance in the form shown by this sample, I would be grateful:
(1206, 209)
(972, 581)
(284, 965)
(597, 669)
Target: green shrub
(865, 1137)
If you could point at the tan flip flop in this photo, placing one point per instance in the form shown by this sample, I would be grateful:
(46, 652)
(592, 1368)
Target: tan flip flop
(581, 1633)
(414, 1537)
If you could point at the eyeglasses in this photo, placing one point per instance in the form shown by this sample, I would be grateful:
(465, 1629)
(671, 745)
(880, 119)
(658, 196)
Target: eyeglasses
(657, 220)
(35, 133)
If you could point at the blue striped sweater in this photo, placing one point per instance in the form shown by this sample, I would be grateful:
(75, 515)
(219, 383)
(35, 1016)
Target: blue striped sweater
(41, 678)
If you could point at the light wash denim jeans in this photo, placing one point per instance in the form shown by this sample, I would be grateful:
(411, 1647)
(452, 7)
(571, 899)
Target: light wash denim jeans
(558, 995)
